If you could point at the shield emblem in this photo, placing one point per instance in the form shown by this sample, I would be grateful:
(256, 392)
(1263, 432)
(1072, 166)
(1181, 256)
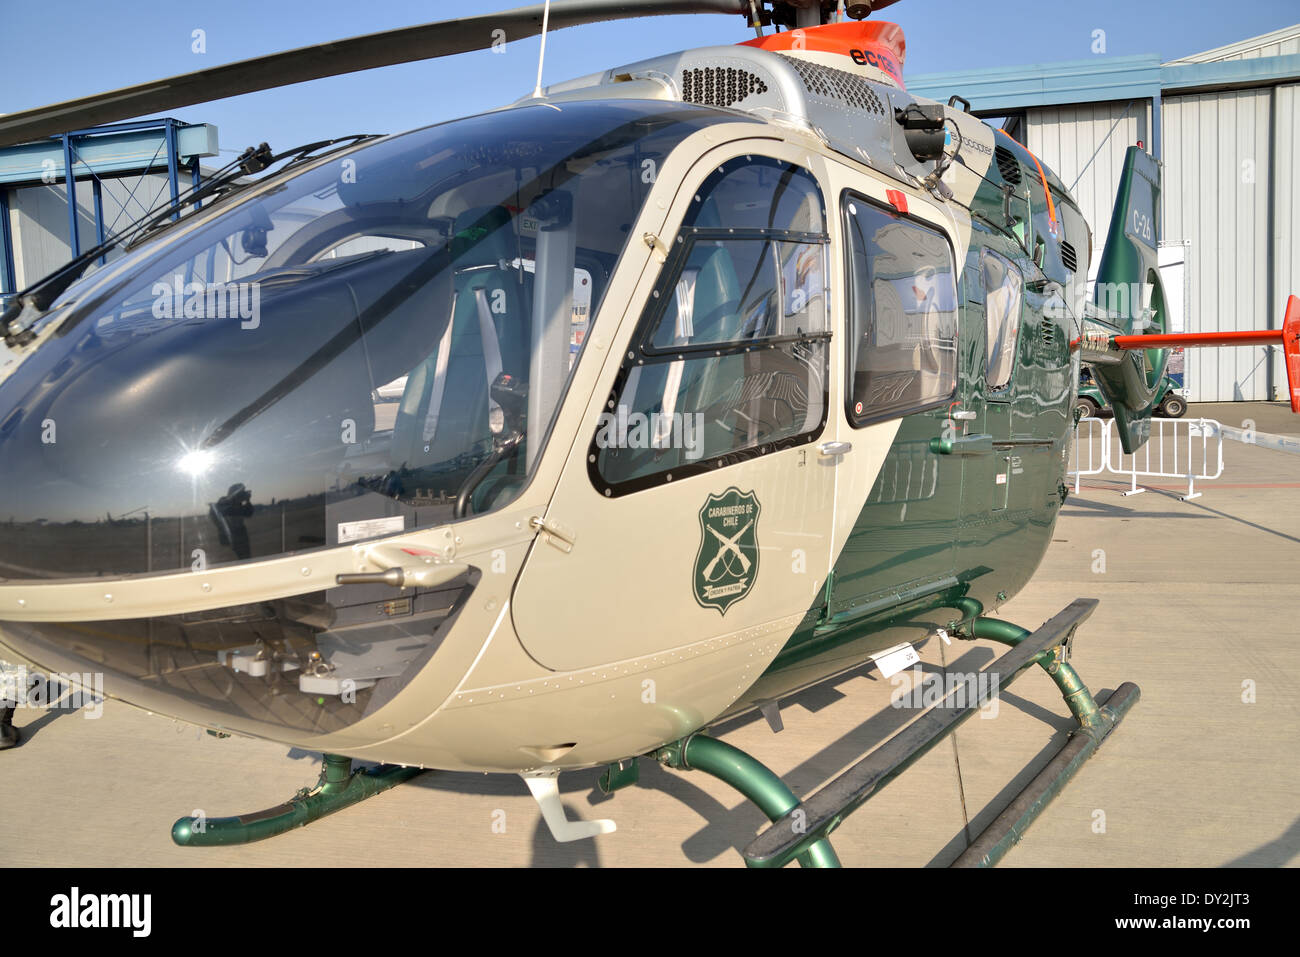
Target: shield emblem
(727, 561)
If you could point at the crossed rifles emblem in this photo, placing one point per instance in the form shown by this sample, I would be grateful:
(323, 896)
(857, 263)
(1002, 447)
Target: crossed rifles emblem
(727, 548)
(726, 562)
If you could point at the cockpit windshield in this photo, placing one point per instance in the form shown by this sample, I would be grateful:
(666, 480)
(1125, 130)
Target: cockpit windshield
(371, 344)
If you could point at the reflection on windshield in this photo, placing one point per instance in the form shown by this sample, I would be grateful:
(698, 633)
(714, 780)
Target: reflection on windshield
(375, 344)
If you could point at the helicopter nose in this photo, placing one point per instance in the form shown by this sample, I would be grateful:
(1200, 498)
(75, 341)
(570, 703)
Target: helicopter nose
(135, 450)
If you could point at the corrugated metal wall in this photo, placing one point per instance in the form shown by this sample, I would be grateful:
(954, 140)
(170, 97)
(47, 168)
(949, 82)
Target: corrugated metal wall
(1230, 191)
(39, 218)
(1286, 210)
(1066, 139)
(1217, 180)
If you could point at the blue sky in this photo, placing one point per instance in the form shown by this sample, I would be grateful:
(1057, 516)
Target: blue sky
(59, 49)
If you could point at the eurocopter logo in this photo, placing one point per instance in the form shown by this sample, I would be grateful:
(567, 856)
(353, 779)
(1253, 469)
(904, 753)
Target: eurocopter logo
(727, 562)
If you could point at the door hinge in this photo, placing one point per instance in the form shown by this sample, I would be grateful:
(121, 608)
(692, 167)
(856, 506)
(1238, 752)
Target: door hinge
(657, 246)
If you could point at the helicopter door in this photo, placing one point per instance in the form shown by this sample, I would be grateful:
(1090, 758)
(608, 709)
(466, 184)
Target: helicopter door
(696, 502)
(902, 374)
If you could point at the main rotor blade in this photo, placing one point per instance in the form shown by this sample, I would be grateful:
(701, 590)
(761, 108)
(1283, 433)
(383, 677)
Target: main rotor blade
(403, 45)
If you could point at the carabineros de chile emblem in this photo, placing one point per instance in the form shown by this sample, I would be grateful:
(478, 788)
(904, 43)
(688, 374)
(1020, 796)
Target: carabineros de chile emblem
(727, 562)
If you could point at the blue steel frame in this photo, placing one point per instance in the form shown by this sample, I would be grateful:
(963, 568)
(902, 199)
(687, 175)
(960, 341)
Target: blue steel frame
(7, 277)
(169, 127)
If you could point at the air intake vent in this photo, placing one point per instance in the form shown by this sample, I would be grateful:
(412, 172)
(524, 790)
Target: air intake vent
(1008, 165)
(1069, 257)
(1049, 331)
(719, 86)
(832, 84)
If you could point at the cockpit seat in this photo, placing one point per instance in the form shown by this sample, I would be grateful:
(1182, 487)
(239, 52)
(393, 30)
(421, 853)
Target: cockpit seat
(444, 420)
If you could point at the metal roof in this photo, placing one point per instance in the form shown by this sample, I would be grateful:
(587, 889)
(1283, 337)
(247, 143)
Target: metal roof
(1278, 43)
(1250, 63)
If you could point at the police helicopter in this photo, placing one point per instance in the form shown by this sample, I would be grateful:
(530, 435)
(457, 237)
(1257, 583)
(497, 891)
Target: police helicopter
(547, 438)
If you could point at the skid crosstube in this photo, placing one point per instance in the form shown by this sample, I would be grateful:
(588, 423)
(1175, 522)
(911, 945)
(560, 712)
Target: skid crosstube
(810, 822)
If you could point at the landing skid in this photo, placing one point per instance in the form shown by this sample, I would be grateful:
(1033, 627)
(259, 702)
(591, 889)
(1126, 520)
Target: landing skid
(338, 787)
(800, 830)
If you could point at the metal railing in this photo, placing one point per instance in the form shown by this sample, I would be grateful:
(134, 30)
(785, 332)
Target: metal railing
(1096, 435)
(1189, 449)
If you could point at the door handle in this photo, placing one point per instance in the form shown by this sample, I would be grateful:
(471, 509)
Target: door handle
(835, 448)
(429, 576)
(963, 445)
(404, 566)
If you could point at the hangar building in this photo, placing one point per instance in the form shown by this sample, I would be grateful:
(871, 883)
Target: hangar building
(1226, 126)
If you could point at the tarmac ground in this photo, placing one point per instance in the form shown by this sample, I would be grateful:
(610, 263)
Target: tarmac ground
(1197, 608)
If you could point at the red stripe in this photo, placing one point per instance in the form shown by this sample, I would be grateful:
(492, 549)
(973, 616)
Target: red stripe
(1240, 338)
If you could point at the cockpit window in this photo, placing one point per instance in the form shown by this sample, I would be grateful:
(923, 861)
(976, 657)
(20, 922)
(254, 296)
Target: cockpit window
(902, 314)
(731, 357)
(372, 344)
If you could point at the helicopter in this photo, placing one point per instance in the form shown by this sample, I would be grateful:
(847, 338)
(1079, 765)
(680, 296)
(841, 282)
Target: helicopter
(746, 335)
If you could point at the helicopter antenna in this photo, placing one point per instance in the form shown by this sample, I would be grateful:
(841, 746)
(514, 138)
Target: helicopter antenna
(541, 57)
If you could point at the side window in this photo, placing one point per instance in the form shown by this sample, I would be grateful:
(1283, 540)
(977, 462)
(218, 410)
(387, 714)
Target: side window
(730, 357)
(903, 314)
(1003, 295)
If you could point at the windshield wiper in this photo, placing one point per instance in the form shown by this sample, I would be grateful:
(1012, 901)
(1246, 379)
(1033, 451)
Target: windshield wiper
(37, 298)
(260, 159)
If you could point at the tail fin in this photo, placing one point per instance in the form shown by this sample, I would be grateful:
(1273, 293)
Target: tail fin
(1131, 297)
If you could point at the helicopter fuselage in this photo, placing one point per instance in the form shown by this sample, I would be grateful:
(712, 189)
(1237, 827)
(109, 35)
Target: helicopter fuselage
(812, 408)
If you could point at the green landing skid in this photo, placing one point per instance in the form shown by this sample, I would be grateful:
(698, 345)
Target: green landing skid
(800, 830)
(338, 787)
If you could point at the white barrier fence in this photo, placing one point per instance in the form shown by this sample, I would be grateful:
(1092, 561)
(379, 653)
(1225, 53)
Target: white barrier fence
(1187, 449)
(1091, 438)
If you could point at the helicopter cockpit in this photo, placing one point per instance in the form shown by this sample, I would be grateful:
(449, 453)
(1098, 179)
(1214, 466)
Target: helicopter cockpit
(371, 343)
(349, 344)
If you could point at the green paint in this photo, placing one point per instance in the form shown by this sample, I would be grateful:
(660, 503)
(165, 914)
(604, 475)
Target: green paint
(754, 780)
(621, 774)
(961, 510)
(1129, 260)
(338, 787)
